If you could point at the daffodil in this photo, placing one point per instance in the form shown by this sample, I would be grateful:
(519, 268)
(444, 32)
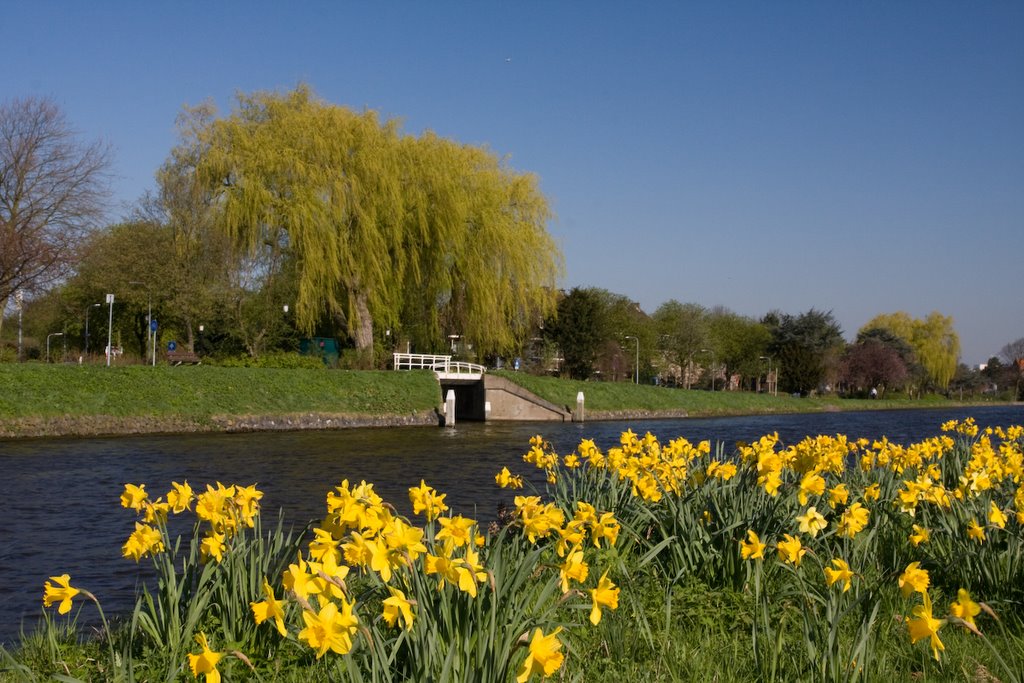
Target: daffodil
(206, 661)
(791, 550)
(840, 572)
(143, 541)
(330, 629)
(269, 608)
(752, 548)
(924, 625)
(813, 484)
(180, 497)
(213, 546)
(396, 607)
(920, 535)
(456, 532)
(426, 500)
(913, 580)
(544, 656)
(853, 520)
(965, 608)
(573, 569)
(63, 593)
(811, 522)
(996, 517)
(975, 532)
(605, 595)
(133, 496)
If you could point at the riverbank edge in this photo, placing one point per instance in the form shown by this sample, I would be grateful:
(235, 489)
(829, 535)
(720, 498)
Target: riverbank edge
(107, 425)
(140, 425)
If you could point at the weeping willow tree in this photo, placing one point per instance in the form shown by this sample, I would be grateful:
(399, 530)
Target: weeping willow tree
(382, 228)
(934, 340)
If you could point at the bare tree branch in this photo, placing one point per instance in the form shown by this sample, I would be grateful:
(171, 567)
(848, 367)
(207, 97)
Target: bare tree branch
(53, 190)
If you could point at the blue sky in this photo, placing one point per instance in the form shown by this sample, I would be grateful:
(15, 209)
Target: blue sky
(862, 158)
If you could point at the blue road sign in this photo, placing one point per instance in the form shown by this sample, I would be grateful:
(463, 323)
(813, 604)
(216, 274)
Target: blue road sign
(171, 345)
(152, 325)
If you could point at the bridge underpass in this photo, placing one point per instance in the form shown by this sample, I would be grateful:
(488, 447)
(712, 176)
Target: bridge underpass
(481, 397)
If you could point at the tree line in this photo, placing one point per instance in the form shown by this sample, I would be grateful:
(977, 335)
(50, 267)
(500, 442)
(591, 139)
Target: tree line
(290, 218)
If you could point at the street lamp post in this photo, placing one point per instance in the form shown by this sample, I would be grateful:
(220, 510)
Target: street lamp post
(636, 365)
(52, 334)
(712, 366)
(110, 328)
(88, 308)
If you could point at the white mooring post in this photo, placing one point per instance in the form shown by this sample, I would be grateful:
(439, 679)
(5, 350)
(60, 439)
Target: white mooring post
(579, 416)
(449, 408)
(487, 410)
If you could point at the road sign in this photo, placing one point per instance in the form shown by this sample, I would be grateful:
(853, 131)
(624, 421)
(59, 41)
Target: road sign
(110, 298)
(171, 345)
(152, 325)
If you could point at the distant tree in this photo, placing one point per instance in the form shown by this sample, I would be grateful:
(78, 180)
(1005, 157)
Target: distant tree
(682, 331)
(807, 347)
(934, 340)
(53, 189)
(379, 226)
(738, 343)
(579, 330)
(871, 363)
(1013, 352)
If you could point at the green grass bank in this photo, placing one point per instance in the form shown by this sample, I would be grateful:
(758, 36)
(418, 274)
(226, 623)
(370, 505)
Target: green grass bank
(613, 399)
(53, 400)
(69, 400)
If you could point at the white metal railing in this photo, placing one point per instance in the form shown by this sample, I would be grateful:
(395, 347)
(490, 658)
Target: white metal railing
(437, 363)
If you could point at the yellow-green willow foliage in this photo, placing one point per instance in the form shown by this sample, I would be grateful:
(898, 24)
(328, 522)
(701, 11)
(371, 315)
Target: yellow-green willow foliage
(934, 341)
(421, 234)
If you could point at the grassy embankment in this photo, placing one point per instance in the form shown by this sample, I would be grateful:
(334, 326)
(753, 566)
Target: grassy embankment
(48, 399)
(52, 400)
(616, 397)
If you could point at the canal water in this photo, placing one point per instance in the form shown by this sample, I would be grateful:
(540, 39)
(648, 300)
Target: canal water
(59, 509)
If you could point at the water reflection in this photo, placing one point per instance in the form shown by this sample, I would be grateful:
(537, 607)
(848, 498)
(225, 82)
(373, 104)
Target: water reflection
(59, 498)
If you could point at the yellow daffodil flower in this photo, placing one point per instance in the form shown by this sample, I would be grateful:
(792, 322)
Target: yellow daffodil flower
(213, 546)
(752, 548)
(920, 535)
(270, 608)
(841, 572)
(143, 541)
(791, 550)
(913, 580)
(965, 608)
(853, 520)
(206, 661)
(180, 497)
(133, 496)
(996, 517)
(838, 495)
(63, 593)
(924, 625)
(813, 484)
(605, 595)
(330, 629)
(396, 607)
(544, 656)
(427, 501)
(573, 569)
(975, 532)
(811, 522)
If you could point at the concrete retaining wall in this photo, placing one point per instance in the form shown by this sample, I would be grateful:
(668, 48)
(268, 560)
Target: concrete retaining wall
(509, 401)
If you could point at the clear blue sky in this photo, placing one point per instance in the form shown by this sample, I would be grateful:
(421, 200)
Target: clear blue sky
(859, 157)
